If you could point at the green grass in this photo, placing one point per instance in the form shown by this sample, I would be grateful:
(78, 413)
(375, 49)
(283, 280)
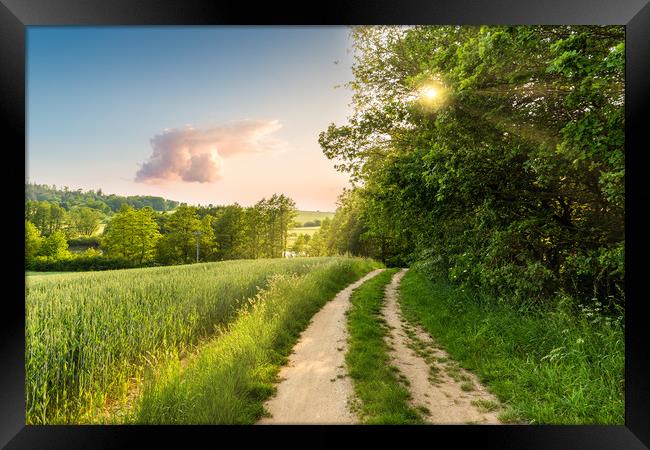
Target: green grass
(294, 232)
(89, 335)
(303, 230)
(233, 374)
(485, 405)
(550, 368)
(310, 216)
(31, 273)
(384, 399)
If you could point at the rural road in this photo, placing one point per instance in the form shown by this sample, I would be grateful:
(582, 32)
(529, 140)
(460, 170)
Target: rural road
(444, 399)
(315, 388)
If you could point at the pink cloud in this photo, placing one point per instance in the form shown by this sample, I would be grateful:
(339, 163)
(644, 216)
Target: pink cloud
(194, 155)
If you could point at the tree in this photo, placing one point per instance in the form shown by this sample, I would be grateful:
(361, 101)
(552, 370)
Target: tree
(513, 180)
(84, 220)
(299, 244)
(208, 245)
(255, 233)
(317, 245)
(132, 234)
(178, 244)
(286, 211)
(54, 246)
(230, 231)
(33, 240)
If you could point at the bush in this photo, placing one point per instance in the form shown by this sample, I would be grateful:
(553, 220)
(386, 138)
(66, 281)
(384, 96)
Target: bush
(80, 263)
(84, 241)
(54, 246)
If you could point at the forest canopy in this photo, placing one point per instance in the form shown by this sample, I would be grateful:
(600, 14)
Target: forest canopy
(106, 203)
(490, 156)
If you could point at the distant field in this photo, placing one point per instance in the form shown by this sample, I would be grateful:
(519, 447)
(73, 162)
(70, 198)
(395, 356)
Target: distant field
(303, 230)
(310, 216)
(100, 229)
(306, 216)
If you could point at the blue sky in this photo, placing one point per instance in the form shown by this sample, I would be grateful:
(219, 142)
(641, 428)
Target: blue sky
(247, 101)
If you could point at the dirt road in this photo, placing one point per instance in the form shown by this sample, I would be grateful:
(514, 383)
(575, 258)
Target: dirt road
(439, 387)
(315, 388)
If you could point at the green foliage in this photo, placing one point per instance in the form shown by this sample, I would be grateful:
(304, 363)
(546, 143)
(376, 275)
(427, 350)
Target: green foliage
(84, 220)
(89, 260)
(132, 234)
(178, 244)
(230, 232)
(47, 217)
(231, 376)
(54, 246)
(555, 367)
(33, 240)
(88, 334)
(384, 399)
(512, 182)
(85, 241)
(144, 237)
(68, 199)
(299, 244)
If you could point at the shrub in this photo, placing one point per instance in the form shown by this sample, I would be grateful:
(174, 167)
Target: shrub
(84, 262)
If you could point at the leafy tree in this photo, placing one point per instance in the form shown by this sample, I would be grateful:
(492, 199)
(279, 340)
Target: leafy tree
(512, 180)
(84, 220)
(317, 245)
(254, 231)
(54, 246)
(132, 234)
(230, 232)
(299, 244)
(33, 240)
(68, 199)
(178, 244)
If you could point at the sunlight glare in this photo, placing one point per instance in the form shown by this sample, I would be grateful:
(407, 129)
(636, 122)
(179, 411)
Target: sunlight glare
(430, 93)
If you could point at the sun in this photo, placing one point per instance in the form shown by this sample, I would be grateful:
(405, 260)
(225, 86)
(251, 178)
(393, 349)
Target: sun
(430, 93)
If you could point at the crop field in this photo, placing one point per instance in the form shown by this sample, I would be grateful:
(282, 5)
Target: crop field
(90, 334)
(310, 216)
(232, 374)
(303, 230)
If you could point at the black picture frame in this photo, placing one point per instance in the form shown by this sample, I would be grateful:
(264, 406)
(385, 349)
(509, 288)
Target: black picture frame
(16, 15)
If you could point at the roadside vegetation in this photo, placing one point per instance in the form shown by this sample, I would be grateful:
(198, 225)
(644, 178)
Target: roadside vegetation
(549, 367)
(227, 380)
(492, 160)
(89, 335)
(383, 398)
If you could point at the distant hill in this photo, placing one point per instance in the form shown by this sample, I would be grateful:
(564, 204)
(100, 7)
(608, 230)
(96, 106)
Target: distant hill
(311, 216)
(66, 198)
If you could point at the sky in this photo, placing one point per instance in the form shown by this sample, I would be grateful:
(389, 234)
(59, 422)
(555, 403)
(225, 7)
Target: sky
(194, 114)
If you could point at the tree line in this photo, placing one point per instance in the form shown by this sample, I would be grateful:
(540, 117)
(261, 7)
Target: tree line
(141, 236)
(490, 156)
(106, 203)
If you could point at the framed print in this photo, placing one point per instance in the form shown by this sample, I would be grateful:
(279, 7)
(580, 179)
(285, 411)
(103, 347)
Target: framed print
(367, 219)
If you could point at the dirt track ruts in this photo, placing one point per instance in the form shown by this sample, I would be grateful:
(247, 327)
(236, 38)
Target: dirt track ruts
(315, 388)
(436, 391)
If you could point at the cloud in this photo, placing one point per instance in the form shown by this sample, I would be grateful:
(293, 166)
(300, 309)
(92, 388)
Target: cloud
(194, 155)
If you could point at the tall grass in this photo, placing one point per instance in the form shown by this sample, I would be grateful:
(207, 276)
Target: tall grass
(89, 334)
(550, 367)
(231, 376)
